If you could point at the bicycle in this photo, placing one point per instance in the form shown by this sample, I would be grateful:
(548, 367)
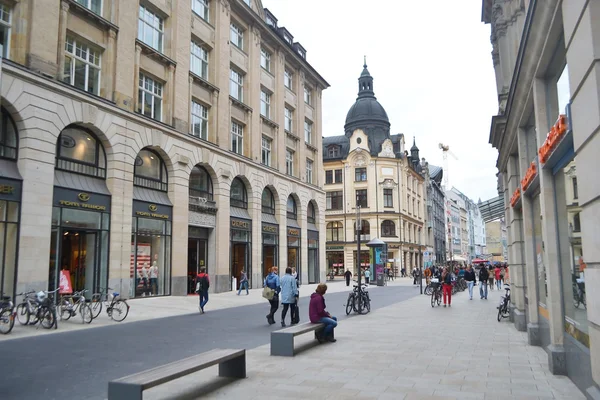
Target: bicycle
(69, 307)
(40, 306)
(27, 308)
(504, 307)
(7, 315)
(117, 309)
(360, 303)
(579, 294)
(436, 292)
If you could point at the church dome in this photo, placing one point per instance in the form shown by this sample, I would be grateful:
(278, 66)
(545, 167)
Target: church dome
(366, 111)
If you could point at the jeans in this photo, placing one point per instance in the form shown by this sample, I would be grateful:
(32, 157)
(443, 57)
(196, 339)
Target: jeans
(274, 302)
(483, 289)
(203, 295)
(491, 283)
(243, 285)
(470, 285)
(499, 284)
(285, 310)
(447, 291)
(330, 323)
(154, 285)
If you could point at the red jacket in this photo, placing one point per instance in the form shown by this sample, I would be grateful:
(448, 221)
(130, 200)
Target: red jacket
(316, 308)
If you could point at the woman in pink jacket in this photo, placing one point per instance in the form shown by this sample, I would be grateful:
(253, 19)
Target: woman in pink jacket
(317, 314)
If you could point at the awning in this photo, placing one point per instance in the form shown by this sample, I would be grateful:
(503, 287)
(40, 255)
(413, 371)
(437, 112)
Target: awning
(479, 261)
(86, 183)
(292, 223)
(458, 258)
(312, 227)
(151, 196)
(236, 212)
(269, 219)
(9, 169)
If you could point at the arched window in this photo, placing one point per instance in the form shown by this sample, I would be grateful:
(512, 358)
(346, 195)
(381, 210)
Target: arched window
(335, 231)
(238, 195)
(291, 208)
(365, 228)
(388, 228)
(268, 202)
(201, 184)
(311, 214)
(150, 171)
(8, 137)
(78, 150)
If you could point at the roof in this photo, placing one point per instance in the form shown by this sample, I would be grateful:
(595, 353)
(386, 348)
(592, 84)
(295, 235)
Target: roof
(344, 144)
(436, 173)
(492, 209)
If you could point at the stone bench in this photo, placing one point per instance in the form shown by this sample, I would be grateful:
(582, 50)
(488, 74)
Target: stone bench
(282, 341)
(232, 364)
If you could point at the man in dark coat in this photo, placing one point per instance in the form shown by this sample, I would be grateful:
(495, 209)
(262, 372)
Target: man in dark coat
(348, 276)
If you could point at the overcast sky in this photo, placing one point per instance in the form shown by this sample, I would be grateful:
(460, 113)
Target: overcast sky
(432, 71)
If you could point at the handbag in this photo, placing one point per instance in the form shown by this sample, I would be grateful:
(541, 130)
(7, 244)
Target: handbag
(268, 293)
(197, 287)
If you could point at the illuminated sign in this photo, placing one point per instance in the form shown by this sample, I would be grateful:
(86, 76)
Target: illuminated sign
(151, 215)
(269, 228)
(529, 176)
(152, 207)
(293, 232)
(557, 132)
(515, 197)
(75, 204)
(236, 223)
(83, 197)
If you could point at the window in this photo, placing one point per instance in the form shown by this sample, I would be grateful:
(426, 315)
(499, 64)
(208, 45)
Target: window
(311, 215)
(333, 151)
(361, 198)
(237, 36)
(576, 223)
(82, 66)
(388, 228)
(287, 79)
(265, 104)
(268, 202)
(150, 171)
(94, 5)
(236, 85)
(289, 162)
(8, 137)
(335, 231)
(338, 176)
(77, 150)
(309, 171)
(360, 174)
(291, 211)
(328, 177)
(575, 190)
(200, 7)
(150, 97)
(5, 22)
(388, 198)
(238, 196)
(288, 114)
(335, 200)
(199, 120)
(365, 229)
(237, 138)
(266, 152)
(150, 29)
(265, 59)
(199, 60)
(248, 2)
(201, 184)
(308, 132)
(308, 96)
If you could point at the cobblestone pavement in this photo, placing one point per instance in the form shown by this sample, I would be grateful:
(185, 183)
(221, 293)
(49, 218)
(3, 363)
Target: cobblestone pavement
(408, 350)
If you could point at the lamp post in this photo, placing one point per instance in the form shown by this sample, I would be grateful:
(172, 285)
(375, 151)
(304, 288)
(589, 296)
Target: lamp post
(421, 268)
(358, 229)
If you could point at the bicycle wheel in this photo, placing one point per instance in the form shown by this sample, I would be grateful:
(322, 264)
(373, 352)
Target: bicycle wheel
(433, 298)
(23, 314)
(500, 313)
(438, 298)
(96, 307)
(86, 313)
(34, 317)
(367, 303)
(63, 311)
(428, 290)
(7, 321)
(47, 317)
(120, 309)
(349, 303)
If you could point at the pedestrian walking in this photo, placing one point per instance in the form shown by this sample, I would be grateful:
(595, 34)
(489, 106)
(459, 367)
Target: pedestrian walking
(243, 283)
(318, 314)
(289, 290)
(497, 273)
(202, 285)
(470, 278)
(491, 278)
(415, 274)
(272, 282)
(367, 276)
(403, 272)
(447, 286)
(483, 282)
(348, 276)
(295, 311)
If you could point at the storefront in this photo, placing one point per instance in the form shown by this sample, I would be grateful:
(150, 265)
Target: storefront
(241, 247)
(335, 260)
(10, 202)
(313, 245)
(197, 254)
(270, 240)
(293, 245)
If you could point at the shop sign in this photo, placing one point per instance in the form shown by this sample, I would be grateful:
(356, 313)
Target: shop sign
(334, 247)
(529, 176)
(64, 285)
(10, 190)
(150, 210)
(293, 232)
(555, 135)
(268, 228)
(240, 224)
(394, 246)
(79, 199)
(515, 197)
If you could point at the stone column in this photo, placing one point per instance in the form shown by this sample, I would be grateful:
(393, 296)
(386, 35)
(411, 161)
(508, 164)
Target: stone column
(179, 194)
(62, 38)
(221, 268)
(108, 76)
(170, 100)
(222, 69)
(136, 76)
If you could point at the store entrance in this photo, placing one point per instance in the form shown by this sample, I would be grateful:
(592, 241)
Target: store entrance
(239, 261)
(269, 257)
(196, 260)
(78, 254)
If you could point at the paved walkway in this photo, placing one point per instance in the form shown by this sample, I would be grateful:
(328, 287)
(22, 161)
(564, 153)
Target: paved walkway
(405, 351)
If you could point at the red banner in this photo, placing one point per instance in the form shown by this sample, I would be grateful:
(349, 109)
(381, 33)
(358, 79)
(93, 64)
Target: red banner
(65, 282)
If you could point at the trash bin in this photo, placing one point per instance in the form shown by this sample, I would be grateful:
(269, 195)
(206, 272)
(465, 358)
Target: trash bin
(380, 280)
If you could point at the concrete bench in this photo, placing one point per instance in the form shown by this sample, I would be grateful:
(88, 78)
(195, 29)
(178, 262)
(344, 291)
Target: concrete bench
(282, 341)
(232, 364)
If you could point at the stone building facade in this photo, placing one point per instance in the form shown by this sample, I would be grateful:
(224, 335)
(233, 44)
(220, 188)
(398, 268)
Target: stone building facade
(545, 58)
(142, 141)
(436, 225)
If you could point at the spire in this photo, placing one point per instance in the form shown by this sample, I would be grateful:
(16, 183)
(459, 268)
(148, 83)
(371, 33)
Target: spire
(365, 82)
(365, 64)
(414, 150)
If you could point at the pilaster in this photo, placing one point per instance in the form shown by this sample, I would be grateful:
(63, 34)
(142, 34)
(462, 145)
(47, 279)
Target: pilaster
(62, 38)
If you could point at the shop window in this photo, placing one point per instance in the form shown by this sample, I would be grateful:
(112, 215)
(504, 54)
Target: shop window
(238, 195)
(8, 137)
(311, 214)
(335, 231)
(78, 150)
(201, 184)
(150, 171)
(9, 228)
(292, 212)
(268, 202)
(388, 228)
(151, 242)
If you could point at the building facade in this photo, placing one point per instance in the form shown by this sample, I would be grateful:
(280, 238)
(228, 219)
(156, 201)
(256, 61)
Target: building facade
(496, 244)
(370, 168)
(472, 226)
(436, 226)
(546, 135)
(142, 141)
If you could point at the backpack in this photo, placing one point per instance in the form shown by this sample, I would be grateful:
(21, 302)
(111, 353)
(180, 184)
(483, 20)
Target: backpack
(202, 284)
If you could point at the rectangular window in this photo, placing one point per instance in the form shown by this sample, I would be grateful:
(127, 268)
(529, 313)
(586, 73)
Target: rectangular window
(388, 198)
(266, 152)
(335, 200)
(360, 174)
(199, 121)
(237, 138)
(361, 198)
(338, 176)
(265, 104)
(289, 115)
(308, 96)
(575, 190)
(199, 60)
(289, 162)
(236, 36)
(309, 171)
(150, 29)
(236, 85)
(200, 7)
(93, 5)
(150, 97)
(265, 59)
(333, 151)
(328, 177)
(287, 79)
(308, 132)
(82, 66)
(5, 24)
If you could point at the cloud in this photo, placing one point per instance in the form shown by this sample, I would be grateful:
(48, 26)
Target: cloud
(432, 72)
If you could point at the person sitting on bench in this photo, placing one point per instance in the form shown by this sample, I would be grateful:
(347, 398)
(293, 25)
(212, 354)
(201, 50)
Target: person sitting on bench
(317, 314)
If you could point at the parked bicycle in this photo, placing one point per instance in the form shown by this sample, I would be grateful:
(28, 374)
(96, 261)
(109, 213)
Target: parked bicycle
(116, 308)
(71, 304)
(7, 315)
(504, 307)
(360, 302)
(579, 294)
(27, 309)
(38, 307)
(436, 292)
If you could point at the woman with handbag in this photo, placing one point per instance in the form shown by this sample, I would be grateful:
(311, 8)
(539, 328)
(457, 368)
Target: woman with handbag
(271, 289)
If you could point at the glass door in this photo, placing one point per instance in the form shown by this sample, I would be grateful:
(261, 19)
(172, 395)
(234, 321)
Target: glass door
(192, 264)
(239, 262)
(78, 251)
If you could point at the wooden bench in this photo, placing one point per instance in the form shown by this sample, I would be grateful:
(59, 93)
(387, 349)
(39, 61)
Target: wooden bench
(282, 341)
(232, 364)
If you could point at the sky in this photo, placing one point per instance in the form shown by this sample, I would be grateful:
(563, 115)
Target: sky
(432, 71)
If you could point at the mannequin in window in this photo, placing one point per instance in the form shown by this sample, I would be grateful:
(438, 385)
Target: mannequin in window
(145, 273)
(154, 279)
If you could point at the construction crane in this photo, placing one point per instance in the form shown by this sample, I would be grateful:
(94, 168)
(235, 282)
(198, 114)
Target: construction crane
(446, 149)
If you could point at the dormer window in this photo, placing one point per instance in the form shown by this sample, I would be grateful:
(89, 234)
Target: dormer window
(333, 152)
(288, 39)
(301, 53)
(271, 22)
